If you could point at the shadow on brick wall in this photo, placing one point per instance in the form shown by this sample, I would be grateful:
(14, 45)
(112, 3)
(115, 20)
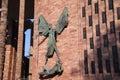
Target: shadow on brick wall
(113, 57)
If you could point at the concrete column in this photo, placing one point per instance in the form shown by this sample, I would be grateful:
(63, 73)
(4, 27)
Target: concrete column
(20, 41)
(3, 23)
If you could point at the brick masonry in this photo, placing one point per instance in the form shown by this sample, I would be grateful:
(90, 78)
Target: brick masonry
(19, 56)
(70, 43)
(3, 21)
(67, 43)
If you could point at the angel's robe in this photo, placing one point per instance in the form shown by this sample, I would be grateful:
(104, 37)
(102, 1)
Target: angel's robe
(51, 46)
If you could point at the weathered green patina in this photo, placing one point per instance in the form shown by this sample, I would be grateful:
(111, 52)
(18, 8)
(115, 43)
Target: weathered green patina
(57, 69)
(45, 29)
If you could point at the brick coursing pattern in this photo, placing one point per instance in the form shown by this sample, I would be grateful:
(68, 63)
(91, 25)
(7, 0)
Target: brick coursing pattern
(3, 25)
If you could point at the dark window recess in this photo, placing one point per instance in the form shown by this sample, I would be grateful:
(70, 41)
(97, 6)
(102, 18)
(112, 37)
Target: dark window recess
(105, 37)
(110, 2)
(93, 67)
(103, 17)
(108, 68)
(112, 27)
(118, 12)
(90, 20)
(83, 12)
(89, 2)
(86, 61)
(84, 33)
(108, 77)
(0, 3)
(115, 59)
(0, 7)
(97, 30)
(96, 8)
(91, 43)
(119, 36)
(0, 14)
(100, 65)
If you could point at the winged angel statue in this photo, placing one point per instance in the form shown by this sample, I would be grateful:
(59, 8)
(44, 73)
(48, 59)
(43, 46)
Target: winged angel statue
(45, 29)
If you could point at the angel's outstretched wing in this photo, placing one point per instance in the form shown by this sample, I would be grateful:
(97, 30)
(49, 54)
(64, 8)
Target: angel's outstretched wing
(63, 21)
(43, 26)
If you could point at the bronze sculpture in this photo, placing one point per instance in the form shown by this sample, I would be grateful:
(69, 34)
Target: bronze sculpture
(57, 69)
(45, 29)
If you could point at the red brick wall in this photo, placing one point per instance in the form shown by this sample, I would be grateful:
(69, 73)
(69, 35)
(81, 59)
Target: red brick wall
(19, 55)
(67, 43)
(3, 21)
(71, 44)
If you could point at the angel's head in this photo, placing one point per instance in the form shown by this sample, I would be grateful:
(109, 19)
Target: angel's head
(50, 26)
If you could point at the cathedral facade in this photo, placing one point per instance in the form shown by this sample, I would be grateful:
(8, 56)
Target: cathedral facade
(89, 47)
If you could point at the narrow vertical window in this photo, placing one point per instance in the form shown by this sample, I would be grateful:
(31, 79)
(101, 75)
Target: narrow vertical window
(100, 65)
(112, 27)
(0, 7)
(108, 68)
(93, 67)
(83, 12)
(91, 43)
(105, 37)
(86, 61)
(0, 14)
(118, 12)
(103, 17)
(89, 2)
(90, 20)
(115, 59)
(0, 4)
(110, 2)
(84, 33)
(96, 8)
(97, 30)
(119, 36)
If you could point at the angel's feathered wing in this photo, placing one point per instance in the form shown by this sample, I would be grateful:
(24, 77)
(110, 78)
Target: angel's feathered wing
(63, 21)
(43, 26)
